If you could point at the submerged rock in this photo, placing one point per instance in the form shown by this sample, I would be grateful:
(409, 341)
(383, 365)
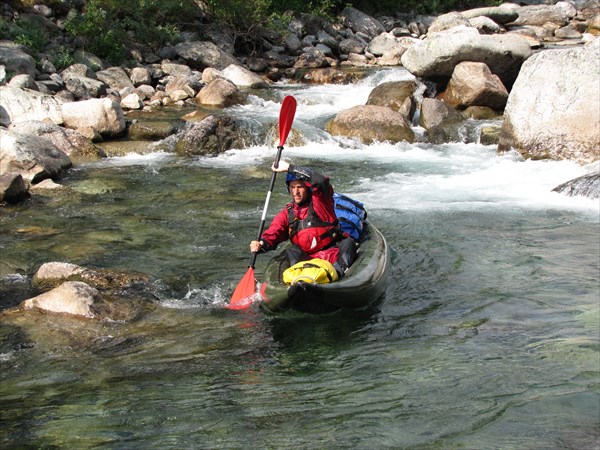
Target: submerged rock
(586, 186)
(52, 274)
(441, 121)
(211, 136)
(13, 188)
(73, 297)
(80, 299)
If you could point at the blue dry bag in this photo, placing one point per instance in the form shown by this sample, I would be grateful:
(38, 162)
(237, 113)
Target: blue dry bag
(351, 215)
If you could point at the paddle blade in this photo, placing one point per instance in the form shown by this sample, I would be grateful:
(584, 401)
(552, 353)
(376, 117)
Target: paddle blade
(244, 292)
(286, 118)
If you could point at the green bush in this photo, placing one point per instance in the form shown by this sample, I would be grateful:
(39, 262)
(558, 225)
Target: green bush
(102, 34)
(25, 33)
(61, 58)
(109, 26)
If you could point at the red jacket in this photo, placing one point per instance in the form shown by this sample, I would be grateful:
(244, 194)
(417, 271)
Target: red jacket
(321, 198)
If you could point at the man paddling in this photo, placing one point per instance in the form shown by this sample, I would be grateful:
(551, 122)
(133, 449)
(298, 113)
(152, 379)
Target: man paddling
(309, 221)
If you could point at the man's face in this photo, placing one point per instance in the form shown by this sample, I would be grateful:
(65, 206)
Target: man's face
(299, 192)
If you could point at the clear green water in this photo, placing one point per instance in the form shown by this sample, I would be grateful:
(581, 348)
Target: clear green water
(487, 336)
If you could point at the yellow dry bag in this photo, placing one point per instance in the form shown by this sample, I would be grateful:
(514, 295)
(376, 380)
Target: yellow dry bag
(315, 271)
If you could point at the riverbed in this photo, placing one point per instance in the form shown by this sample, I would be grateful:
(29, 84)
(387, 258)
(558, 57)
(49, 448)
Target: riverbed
(487, 335)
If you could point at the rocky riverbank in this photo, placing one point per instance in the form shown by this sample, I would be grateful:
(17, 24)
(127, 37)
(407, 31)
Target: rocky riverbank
(532, 68)
(465, 65)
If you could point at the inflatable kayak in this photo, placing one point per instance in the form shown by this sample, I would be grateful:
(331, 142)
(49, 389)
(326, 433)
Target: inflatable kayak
(363, 283)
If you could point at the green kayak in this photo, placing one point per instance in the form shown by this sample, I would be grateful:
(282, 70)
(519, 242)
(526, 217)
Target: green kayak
(363, 283)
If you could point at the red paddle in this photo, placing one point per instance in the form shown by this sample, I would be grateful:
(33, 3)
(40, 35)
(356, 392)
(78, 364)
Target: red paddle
(243, 294)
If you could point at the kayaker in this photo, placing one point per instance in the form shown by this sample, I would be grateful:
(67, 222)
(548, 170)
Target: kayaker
(309, 221)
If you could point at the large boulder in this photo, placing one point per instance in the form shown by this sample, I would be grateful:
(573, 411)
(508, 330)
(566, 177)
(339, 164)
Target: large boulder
(102, 115)
(15, 60)
(78, 70)
(329, 75)
(116, 78)
(77, 298)
(183, 86)
(132, 101)
(360, 22)
(72, 143)
(211, 136)
(73, 297)
(35, 158)
(585, 186)
(387, 43)
(242, 77)
(353, 44)
(220, 93)
(20, 105)
(23, 81)
(448, 21)
(473, 84)
(312, 58)
(540, 15)
(440, 121)
(397, 95)
(202, 54)
(52, 274)
(437, 56)
(151, 130)
(499, 14)
(84, 88)
(140, 75)
(370, 123)
(553, 109)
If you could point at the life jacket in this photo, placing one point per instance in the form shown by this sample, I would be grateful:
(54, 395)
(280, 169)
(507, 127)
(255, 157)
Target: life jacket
(311, 234)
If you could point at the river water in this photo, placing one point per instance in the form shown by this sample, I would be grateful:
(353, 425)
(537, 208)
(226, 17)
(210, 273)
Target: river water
(487, 336)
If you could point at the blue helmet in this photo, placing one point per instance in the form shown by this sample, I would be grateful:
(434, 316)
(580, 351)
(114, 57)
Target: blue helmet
(292, 177)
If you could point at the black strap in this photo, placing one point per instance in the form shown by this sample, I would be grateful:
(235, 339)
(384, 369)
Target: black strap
(345, 208)
(295, 224)
(346, 221)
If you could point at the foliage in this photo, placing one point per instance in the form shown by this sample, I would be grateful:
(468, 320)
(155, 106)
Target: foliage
(103, 35)
(61, 58)
(391, 7)
(109, 26)
(25, 33)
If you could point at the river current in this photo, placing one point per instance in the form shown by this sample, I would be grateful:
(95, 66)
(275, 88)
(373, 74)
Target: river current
(487, 337)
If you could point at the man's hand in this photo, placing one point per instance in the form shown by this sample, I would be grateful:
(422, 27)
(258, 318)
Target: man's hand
(282, 167)
(255, 246)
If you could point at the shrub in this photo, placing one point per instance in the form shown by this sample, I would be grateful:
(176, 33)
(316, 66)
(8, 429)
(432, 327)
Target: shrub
(24, 32)
(61, 58)
(102, 34)
(108, 26)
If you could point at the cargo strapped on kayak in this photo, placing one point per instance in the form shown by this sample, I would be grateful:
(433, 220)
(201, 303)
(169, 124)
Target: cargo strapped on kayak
(314, 271)
(351, 215)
